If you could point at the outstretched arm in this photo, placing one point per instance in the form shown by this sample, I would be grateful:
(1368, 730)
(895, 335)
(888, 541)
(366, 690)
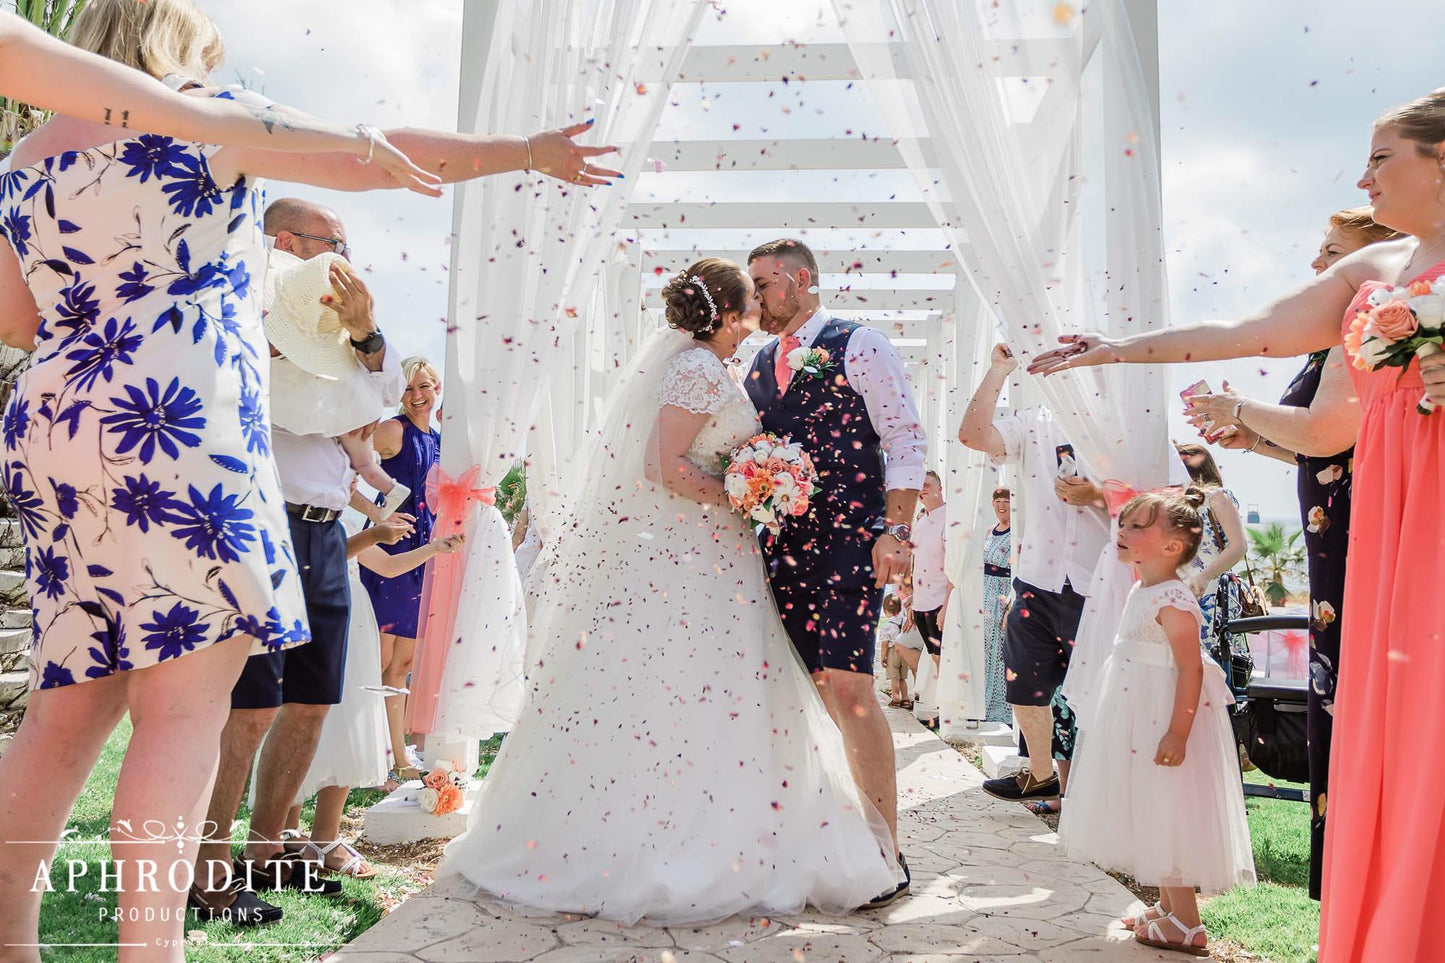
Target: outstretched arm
(977, 430)
(38, 69)
(450, 156)
(1307, 320)
(1327, 427)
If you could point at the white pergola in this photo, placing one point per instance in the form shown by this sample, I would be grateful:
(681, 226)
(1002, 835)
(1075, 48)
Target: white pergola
(883, 261)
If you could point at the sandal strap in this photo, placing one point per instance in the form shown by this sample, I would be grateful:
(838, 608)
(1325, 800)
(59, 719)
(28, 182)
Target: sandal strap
(1157, 933)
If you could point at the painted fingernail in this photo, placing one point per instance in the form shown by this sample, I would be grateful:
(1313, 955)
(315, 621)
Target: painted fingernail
(591, 121)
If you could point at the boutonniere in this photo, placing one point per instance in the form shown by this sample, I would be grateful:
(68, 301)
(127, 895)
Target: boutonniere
(812, 362)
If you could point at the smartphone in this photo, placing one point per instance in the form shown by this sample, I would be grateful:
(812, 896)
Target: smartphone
(1198, 388)
(1067, 464)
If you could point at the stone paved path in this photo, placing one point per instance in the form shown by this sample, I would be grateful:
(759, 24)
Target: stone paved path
(990, 882)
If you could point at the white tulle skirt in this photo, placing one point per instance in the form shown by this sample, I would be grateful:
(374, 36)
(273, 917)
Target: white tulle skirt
(673, 760)
(355, 743)
(1165, 826)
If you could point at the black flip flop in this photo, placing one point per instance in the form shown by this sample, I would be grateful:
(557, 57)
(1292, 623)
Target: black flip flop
(245, 908)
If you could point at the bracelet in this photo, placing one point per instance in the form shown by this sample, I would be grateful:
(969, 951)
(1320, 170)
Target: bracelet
(1238, 407)
(1257, 439)
(369, 133)
(528, 141)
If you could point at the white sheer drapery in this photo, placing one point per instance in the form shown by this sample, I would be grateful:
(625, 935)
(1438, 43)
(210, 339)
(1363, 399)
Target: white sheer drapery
(1047, 187)
(528, 255)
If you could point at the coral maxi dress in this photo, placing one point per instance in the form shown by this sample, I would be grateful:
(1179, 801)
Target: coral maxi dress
(1385, 842)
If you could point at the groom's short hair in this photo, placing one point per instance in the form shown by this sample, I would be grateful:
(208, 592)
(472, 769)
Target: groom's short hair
(790, 248)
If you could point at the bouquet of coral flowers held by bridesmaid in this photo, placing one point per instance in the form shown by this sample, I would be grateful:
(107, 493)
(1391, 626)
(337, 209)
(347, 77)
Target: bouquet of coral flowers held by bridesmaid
(769, 480)
(1397, 325)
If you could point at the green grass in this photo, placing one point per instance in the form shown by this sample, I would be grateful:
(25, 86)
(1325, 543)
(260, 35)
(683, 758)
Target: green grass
(1276, 919)
(322, 923)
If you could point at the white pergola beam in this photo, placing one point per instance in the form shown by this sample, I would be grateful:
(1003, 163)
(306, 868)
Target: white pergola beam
(781, 215)
(732, 63)
(853, 153)
(860, 299)
(830, 260)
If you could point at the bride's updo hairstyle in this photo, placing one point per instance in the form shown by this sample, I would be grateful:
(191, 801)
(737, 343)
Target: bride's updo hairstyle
(1181, 511)
(698, 298)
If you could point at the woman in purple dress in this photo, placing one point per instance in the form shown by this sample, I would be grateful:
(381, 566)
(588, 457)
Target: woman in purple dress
(409, 446)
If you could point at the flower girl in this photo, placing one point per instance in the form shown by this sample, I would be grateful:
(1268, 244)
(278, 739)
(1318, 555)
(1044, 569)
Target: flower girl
(1155, 789)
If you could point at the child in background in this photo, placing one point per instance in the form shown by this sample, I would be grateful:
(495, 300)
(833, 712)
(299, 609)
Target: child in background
(1155, 790)
(889, 630)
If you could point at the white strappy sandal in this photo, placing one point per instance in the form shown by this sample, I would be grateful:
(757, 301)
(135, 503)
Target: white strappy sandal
(1155, 937)
(1143, 916)
(352, 866)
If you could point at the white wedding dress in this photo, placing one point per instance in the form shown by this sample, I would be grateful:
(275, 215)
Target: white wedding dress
(673, 760)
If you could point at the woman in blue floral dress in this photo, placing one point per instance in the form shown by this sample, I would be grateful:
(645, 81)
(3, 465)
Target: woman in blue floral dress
(137, 453)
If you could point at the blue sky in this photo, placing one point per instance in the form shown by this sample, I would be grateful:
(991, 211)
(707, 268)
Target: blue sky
(1266, 110)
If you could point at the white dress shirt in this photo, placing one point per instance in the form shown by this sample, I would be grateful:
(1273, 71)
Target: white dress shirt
(1057, 542)
(315, 470)
(930, 584)
(873, 368)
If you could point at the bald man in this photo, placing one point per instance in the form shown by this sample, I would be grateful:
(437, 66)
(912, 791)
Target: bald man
(283, 697)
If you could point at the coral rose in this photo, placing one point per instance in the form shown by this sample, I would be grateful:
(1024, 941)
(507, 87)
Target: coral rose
(449, 800)
(1354, 337)
(1393, 321)
(435, 779)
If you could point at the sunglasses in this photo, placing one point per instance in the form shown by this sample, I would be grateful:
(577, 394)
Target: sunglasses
(338, 245)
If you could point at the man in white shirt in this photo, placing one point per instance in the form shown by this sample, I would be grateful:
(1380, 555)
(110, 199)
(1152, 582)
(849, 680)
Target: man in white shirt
(1064, 531)
(931, 587)
(852, 411)
(284, 696)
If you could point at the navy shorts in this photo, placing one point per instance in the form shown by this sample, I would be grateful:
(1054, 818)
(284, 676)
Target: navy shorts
(1038, 641)
(831, 627)
(310, 674)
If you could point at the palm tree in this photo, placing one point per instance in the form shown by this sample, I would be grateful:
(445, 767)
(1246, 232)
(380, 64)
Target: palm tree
(55, 17)
(1278, 555)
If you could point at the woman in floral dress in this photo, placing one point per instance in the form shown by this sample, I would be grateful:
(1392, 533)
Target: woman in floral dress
(997, 586)
(137, 452)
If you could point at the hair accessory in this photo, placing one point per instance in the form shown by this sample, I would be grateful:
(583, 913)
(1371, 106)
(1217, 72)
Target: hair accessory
(707, 296)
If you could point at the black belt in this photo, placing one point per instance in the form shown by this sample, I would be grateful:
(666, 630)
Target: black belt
(997, 571)
(313, 513)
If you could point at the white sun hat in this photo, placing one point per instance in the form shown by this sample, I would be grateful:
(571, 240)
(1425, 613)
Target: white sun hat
(306, 332)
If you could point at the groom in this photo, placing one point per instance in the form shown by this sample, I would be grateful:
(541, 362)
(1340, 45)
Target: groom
(828, 568)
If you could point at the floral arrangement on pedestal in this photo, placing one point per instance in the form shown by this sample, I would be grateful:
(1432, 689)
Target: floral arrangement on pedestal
(443, 790)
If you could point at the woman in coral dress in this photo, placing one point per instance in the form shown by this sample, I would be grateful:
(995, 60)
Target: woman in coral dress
(1384, 852)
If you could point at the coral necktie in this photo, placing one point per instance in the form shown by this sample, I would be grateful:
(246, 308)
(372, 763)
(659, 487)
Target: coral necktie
(781, 371)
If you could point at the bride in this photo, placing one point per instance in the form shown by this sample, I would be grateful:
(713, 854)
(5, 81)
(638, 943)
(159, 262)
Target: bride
(673, 761)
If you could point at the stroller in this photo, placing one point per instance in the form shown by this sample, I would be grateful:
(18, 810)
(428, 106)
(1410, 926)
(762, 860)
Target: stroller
(1268, 715)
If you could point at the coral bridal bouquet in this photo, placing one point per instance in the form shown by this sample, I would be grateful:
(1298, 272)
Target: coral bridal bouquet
(769, 479)
(1397, 325)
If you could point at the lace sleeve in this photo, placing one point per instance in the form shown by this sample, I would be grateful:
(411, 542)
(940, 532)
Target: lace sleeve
(695, 381)
(1176, 595)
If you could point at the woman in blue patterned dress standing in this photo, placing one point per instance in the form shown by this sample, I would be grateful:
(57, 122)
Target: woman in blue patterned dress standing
(137, 452)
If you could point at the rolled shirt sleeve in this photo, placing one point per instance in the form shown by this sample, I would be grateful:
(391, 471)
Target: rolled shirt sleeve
(388, 381)
(1015, 436)
(875, 370)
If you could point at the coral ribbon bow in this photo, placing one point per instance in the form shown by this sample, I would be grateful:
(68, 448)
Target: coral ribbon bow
(451, 499)
(1117, 495)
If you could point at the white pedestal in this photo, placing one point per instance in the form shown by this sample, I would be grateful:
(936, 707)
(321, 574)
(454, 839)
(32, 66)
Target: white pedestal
(451, 755)
(1001, 761)
(399, 818)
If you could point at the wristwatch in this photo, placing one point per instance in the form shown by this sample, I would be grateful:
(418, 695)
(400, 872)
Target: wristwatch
(370, 344)
(900, 531)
